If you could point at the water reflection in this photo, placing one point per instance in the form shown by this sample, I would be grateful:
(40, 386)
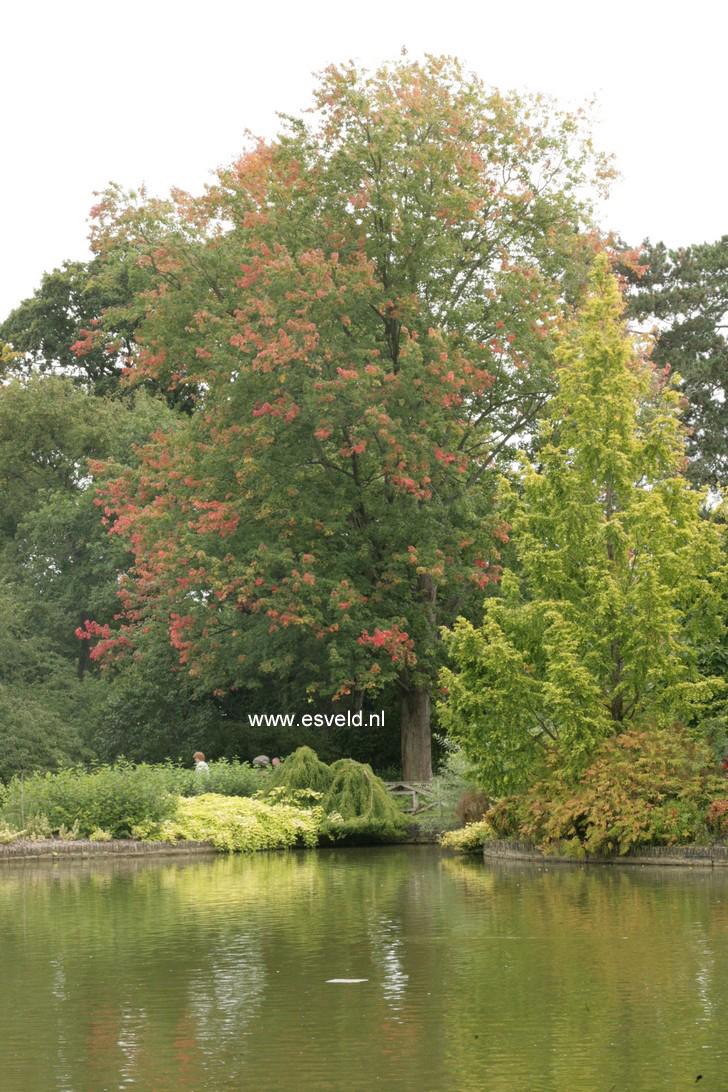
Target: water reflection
(213, 974)
(387, 950)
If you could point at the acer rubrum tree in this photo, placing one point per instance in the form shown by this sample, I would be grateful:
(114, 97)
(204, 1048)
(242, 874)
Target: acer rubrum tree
(622, 580)
(365, 308)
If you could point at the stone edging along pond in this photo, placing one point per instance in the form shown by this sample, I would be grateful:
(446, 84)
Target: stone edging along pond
(53, 849)
(715, 856)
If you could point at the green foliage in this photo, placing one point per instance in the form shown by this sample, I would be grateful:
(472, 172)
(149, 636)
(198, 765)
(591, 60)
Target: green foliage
(58, 566)
(150, 710)
(470, 838)
(300, 798)
(37, 828)
(41, 700)
(58, 549)
(333, 503)
(112, 797)
(69, 834)
(649, 787)
(456, 776)
(233, 823)
(357, 805)
(48, 427)
(621, 577)
(354, 800)
(8, 834)
(100, 835)
(45, 326)
(227, 777)
(454, 783)
(301, 770)
(685, 293)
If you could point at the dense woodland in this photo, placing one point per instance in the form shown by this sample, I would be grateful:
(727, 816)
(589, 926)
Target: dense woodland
(366, 425)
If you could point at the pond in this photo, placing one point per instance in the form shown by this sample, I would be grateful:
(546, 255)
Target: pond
(216, 973)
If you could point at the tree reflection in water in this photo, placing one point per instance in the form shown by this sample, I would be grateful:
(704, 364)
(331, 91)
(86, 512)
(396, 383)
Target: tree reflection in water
(197, 975)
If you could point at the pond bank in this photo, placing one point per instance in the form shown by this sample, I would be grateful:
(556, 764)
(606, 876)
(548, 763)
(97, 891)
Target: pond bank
(713, 856)
(53, 849)
(26, 849)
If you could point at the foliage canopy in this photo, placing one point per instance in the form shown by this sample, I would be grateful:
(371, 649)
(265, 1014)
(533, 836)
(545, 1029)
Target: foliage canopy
(685, 293)
(365, 309)
(621, 581)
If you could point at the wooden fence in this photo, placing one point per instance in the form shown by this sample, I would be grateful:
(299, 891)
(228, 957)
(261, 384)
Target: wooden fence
(422, 795)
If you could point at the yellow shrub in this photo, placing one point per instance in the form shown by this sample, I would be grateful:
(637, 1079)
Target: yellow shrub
(469, 839)
(238, 823)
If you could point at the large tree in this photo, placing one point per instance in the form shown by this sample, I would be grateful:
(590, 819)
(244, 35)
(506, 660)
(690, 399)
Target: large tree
(684, 294)
(365, 307)
(622, 580)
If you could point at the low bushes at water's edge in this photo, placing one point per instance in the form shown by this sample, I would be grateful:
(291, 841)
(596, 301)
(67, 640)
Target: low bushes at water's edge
(113, 798)
(117, 798)
(658, 787)
(306, 799)
(235, 823)
(469, 839)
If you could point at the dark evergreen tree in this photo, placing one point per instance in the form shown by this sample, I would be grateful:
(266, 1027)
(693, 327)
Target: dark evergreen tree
(685, 294)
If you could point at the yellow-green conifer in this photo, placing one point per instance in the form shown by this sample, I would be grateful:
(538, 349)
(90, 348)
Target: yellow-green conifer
(620, 584)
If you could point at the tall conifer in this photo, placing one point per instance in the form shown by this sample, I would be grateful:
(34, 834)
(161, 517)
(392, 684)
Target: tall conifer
(620, 582)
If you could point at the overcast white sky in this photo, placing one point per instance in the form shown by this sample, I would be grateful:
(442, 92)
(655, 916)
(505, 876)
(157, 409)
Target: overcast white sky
(159, 91)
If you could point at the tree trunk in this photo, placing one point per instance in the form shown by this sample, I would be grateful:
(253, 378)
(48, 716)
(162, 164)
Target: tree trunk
(416, 741)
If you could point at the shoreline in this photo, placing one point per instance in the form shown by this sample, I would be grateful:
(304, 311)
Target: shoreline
(686, 856)
(53, 849)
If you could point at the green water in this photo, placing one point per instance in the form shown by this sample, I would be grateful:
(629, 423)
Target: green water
(211, 974)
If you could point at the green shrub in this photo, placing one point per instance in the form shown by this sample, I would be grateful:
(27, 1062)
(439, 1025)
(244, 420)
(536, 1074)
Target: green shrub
(651, 787)
(235, 823)
(114, 798)
(470, 838)
(227, 777)
(38, 829)
(357, 805)
(99, 835)
(301, 770)
(299, 798)
(355, 801)
(7, 834)
(69, 834)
